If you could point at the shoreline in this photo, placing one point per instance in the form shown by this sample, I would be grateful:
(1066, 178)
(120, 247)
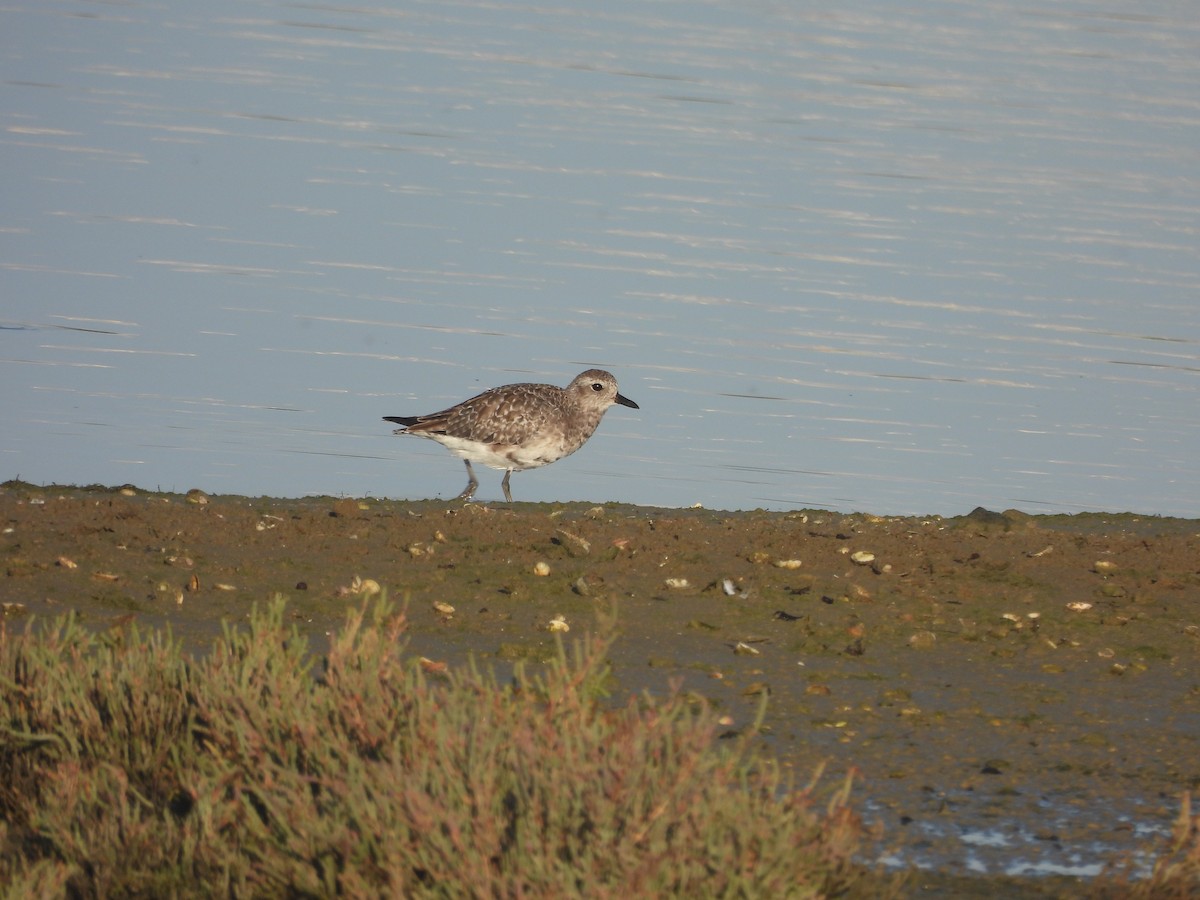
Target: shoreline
(986, 675)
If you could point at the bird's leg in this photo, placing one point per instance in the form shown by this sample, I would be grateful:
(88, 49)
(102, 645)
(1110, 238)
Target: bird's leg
(504, 484)
(469, 490)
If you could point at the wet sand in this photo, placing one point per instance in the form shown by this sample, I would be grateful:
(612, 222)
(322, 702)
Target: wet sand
(1017, 694)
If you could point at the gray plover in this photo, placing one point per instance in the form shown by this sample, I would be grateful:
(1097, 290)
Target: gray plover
(519, 426)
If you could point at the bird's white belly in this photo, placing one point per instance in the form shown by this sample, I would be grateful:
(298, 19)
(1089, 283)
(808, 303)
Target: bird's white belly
(530, 455)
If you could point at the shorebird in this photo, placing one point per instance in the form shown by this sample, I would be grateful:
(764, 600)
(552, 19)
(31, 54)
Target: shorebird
(519, 426)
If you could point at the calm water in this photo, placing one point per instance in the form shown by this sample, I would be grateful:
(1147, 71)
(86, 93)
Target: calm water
(898, 259)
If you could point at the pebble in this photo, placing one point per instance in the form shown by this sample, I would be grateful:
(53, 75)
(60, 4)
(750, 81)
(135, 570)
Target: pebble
(431, 666)
(367, 587)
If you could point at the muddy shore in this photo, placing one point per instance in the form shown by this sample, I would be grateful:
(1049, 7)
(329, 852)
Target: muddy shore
(1019, 694)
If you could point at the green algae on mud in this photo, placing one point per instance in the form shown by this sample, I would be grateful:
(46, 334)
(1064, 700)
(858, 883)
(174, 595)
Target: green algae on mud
(984, 674)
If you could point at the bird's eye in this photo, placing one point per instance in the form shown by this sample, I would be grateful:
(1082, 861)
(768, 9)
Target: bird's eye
(597, 386)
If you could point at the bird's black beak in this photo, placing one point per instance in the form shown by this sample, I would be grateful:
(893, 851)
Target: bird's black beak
(625, 401)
